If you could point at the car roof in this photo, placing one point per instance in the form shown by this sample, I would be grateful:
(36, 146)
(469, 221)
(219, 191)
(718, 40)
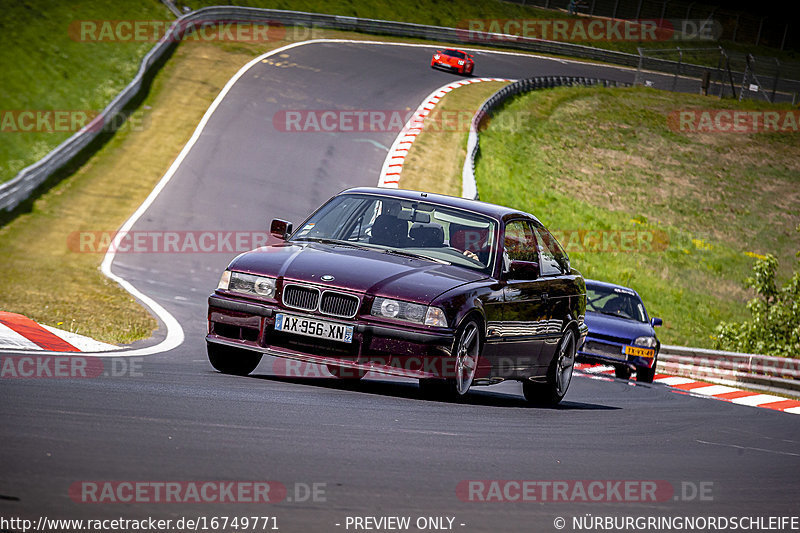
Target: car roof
(491, 210)
(608, 285)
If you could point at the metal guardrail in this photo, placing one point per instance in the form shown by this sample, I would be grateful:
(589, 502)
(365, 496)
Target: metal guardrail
(761, 372)
(19, 188)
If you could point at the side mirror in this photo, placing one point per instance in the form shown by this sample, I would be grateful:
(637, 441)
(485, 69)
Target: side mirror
(522, 270)
(655, 322)
(280, 229)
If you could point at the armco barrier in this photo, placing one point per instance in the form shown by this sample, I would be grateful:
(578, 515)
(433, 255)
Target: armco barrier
(18, 189)
(760, 372)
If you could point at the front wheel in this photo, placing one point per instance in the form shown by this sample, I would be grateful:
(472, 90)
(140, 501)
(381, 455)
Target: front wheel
(467, 353)
(622, 371)
(230, 360)
(646, 375)
(559, 375)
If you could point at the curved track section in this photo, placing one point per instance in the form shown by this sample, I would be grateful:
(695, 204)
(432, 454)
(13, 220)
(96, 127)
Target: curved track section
(374, 447)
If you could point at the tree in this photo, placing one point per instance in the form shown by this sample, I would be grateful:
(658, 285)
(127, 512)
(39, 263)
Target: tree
(774, 328)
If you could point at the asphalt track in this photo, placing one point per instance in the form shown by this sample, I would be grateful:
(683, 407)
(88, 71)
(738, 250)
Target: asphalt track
(376, 446)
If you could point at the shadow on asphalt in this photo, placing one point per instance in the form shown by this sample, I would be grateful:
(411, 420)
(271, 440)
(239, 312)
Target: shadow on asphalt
(411, 391)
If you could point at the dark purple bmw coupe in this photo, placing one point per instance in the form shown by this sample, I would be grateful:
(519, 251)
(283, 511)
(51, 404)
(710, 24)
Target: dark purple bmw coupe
(453, 292)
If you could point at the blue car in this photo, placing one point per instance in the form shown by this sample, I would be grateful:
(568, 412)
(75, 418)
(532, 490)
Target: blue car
(620, 331)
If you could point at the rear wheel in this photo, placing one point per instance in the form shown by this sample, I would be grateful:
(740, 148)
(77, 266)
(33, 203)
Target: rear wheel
(559, 375)
(230, 360)
(342, 372)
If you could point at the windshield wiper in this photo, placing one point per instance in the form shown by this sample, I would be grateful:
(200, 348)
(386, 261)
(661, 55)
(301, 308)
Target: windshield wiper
(404, 253)
(334, 241)
(625, 317)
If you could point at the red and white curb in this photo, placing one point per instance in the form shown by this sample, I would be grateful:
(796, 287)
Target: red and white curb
(393, 164)
(18, 332)
(709, 390)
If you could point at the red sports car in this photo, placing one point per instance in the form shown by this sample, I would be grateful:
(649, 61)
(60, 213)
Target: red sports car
(455, 60)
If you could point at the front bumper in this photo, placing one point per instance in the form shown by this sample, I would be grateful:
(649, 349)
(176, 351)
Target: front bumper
(448, 66)
(606, 351)
(389, 349)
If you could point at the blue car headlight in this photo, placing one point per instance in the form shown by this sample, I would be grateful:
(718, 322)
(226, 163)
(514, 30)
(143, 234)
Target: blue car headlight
(647, 341)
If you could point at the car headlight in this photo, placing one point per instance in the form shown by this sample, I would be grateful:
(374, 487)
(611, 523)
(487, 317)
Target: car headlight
(247, 284)
(460, 62)
(436, 56)
(649, 342)
(408, 312)
(224, 281)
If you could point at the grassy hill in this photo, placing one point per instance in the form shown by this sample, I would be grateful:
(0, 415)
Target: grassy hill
(47, 68)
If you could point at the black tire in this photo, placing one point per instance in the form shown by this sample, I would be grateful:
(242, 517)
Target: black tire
(622, 372)
(467, 350)
(230, 360)
(559, 375)
(342, 372)
(646, 375)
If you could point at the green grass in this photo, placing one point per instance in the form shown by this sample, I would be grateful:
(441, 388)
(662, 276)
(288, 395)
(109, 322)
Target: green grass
(603, 159)
(45, 69)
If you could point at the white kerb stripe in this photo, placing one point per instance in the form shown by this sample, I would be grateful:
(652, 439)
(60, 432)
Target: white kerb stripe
(675, 380)
(757, 399)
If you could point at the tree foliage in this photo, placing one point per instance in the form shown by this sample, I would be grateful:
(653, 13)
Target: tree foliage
(774, 328)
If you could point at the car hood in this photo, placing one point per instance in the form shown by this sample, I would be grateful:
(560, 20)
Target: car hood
(617, 327)
(366, 271)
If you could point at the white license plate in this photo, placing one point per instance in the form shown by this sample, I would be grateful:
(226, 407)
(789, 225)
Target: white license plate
(311, 327)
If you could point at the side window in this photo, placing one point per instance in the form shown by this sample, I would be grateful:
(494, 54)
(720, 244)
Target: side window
(520, 243)
(553, 259)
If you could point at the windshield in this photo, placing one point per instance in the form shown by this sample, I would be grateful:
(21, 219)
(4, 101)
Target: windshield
(615, 301)
(424, 230)
(455, 53)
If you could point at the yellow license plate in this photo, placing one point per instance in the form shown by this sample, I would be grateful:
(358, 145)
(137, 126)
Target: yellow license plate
(640, 352)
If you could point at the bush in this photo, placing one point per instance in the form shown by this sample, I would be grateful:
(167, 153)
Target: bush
(775, 325)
